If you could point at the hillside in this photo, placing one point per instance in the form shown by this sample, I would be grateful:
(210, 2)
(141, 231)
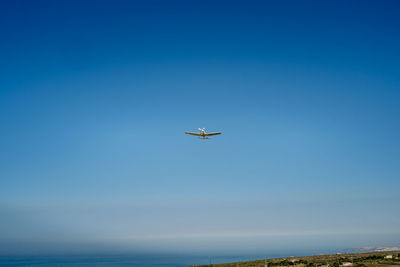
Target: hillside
(387, 259)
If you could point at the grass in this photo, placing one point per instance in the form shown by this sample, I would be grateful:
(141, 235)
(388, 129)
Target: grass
(369, 259)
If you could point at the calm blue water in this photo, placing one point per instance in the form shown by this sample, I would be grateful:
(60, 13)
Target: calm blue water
(119, 261)
(137, 260)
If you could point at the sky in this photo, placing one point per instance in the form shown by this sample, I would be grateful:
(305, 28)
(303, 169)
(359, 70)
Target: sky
(95, 97)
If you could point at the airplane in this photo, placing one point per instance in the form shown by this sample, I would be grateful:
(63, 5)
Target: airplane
(203, 134)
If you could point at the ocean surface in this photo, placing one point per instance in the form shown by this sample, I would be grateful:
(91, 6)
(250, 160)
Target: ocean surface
(133, 260)
(119, 261)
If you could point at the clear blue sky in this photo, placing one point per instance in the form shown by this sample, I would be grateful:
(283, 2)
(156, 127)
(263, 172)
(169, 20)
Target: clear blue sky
(95, 97)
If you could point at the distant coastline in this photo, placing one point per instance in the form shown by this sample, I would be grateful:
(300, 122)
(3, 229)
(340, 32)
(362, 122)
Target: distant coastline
(373, 249)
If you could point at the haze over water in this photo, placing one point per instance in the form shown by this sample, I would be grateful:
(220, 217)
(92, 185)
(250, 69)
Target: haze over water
(95, 98)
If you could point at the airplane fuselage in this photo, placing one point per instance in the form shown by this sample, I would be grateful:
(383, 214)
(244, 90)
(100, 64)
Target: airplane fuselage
(203, 134)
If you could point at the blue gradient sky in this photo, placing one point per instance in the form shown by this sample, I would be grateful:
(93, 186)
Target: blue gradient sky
(95, 97)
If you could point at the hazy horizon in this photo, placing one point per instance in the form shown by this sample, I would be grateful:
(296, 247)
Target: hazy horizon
(96, 96)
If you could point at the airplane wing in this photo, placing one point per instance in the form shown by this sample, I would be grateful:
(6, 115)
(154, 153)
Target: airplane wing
(210, 134)
(196, 134)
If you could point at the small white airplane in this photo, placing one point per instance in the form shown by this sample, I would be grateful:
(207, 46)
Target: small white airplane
(203, 134)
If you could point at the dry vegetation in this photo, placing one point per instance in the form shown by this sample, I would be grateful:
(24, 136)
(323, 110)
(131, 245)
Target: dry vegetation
(374, 259)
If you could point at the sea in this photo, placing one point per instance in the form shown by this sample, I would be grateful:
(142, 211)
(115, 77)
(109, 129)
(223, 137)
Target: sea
(120, 260)
(151, 260)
